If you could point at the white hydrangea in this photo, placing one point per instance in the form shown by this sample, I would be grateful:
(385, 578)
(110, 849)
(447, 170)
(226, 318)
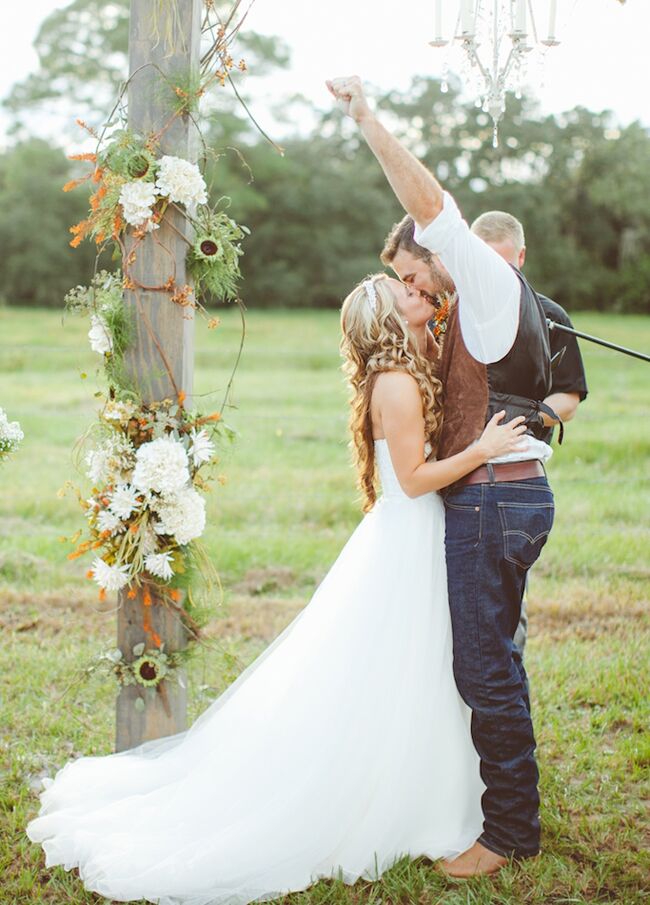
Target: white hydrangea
(137, 200)
(99, 335)
(110, 578)
(124, 500)
(201, 447)
(181, 181)
(161, 466)
(10, 434)
(108, 521)
(181, 515)
(159, 564)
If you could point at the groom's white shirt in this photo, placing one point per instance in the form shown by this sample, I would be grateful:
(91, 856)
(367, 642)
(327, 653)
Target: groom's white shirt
(488, 296)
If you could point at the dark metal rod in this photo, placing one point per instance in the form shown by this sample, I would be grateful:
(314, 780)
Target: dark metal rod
(553, 325)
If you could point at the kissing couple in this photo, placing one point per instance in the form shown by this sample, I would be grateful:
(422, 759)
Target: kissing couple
(391, 718)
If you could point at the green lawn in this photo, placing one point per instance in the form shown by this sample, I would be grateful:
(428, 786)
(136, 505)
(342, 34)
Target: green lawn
(287, 507)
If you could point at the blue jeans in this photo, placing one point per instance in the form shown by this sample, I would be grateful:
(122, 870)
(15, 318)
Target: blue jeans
(494, 534)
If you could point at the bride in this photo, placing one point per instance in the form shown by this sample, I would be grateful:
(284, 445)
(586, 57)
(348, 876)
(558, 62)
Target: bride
(345, 745)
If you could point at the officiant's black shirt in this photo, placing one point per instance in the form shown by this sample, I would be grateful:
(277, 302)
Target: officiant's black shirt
(569, 375)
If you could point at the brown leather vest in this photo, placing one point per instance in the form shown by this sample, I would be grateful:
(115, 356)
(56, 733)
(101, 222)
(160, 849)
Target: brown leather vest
(473, 392)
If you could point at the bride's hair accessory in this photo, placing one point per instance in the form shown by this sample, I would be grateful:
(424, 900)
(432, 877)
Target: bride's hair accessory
(371, 294)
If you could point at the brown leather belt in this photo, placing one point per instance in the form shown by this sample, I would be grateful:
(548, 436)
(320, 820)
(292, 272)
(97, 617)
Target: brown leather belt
(504, 471)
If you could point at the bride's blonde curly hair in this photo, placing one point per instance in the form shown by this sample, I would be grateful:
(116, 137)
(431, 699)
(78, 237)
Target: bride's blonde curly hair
(376, 339)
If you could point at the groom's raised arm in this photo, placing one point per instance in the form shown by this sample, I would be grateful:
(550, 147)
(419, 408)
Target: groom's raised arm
(417, 190)
(487, 287)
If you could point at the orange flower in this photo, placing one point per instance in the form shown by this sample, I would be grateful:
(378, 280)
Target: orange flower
(175, 594)
(90, 157)
(89, 574)
(97, 175)
(182, 396)
(72, 184)
(132, 594)
(146, 597)
(88, 128)
(157, 640)
(102, 594)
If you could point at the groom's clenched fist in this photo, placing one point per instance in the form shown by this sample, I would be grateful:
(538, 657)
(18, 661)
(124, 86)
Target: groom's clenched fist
(350, 97)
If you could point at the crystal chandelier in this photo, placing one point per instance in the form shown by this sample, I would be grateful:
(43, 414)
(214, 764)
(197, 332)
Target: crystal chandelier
(496, 38)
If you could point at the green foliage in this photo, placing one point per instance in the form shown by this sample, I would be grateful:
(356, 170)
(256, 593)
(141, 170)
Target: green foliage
(127, 155)
(213, 259)
(104, 297)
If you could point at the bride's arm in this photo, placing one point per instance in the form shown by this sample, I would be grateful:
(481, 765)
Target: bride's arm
(397, 400)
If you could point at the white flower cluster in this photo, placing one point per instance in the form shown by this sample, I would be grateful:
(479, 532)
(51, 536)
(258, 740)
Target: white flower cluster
(181, 181)
(10, 435)
(99, 335)
(161, 466)
(157, 476)
(137, 199)
(177, 179)
(180, 515)
(114, 410)
(112, 461)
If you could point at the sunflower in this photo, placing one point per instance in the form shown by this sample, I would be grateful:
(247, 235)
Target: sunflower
(207, 248)
(150, 668)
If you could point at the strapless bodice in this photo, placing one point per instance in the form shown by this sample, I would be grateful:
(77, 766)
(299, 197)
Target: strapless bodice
(390, 484)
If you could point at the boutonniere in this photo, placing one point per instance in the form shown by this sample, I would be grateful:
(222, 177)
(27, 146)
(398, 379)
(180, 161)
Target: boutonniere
(438, 322)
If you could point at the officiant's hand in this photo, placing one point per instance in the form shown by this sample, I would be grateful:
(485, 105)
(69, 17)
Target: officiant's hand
(350, 97)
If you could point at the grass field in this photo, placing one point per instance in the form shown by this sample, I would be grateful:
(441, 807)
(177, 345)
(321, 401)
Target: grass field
(275, 527)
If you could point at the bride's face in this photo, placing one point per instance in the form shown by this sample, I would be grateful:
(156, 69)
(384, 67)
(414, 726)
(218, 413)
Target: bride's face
(413, 305)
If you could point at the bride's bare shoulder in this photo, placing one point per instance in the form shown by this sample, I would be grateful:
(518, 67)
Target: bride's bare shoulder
(395, 384)
(395, 378)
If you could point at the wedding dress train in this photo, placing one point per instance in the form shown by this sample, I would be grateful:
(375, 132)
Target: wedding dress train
(343, 747)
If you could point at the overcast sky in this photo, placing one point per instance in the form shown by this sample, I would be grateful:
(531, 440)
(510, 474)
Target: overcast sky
(602, 62)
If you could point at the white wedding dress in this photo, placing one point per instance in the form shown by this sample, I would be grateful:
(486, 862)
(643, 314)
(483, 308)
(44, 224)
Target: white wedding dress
(343, 747)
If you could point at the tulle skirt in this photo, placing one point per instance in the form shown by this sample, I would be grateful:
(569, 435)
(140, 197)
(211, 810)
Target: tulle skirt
(342, 748)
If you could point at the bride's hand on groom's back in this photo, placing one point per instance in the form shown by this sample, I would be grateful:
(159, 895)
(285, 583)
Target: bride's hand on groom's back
(500, 439)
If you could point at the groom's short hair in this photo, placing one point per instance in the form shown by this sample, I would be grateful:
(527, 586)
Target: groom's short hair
(499, 226)
(401, 238)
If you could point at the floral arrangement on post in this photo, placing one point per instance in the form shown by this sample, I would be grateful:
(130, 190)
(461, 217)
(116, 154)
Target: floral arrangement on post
(10, 435)
(149, 466)
(134, 188)
(150, 463)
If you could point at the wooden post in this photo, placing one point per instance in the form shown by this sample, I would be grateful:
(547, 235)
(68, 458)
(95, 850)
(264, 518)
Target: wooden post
(166, 34)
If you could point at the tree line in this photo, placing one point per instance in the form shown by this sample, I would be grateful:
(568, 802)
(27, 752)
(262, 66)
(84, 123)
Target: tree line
(318, 214)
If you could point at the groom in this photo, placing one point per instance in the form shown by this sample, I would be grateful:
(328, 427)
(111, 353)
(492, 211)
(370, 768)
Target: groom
(495, 356)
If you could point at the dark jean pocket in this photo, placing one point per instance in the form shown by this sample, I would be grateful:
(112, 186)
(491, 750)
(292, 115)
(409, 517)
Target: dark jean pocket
(525, 527)
(463, 523)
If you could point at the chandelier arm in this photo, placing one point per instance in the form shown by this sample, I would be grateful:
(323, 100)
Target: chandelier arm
(474, 59)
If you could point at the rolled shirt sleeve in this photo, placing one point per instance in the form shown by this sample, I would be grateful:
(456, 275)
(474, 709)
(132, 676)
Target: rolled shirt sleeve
(488, 289)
